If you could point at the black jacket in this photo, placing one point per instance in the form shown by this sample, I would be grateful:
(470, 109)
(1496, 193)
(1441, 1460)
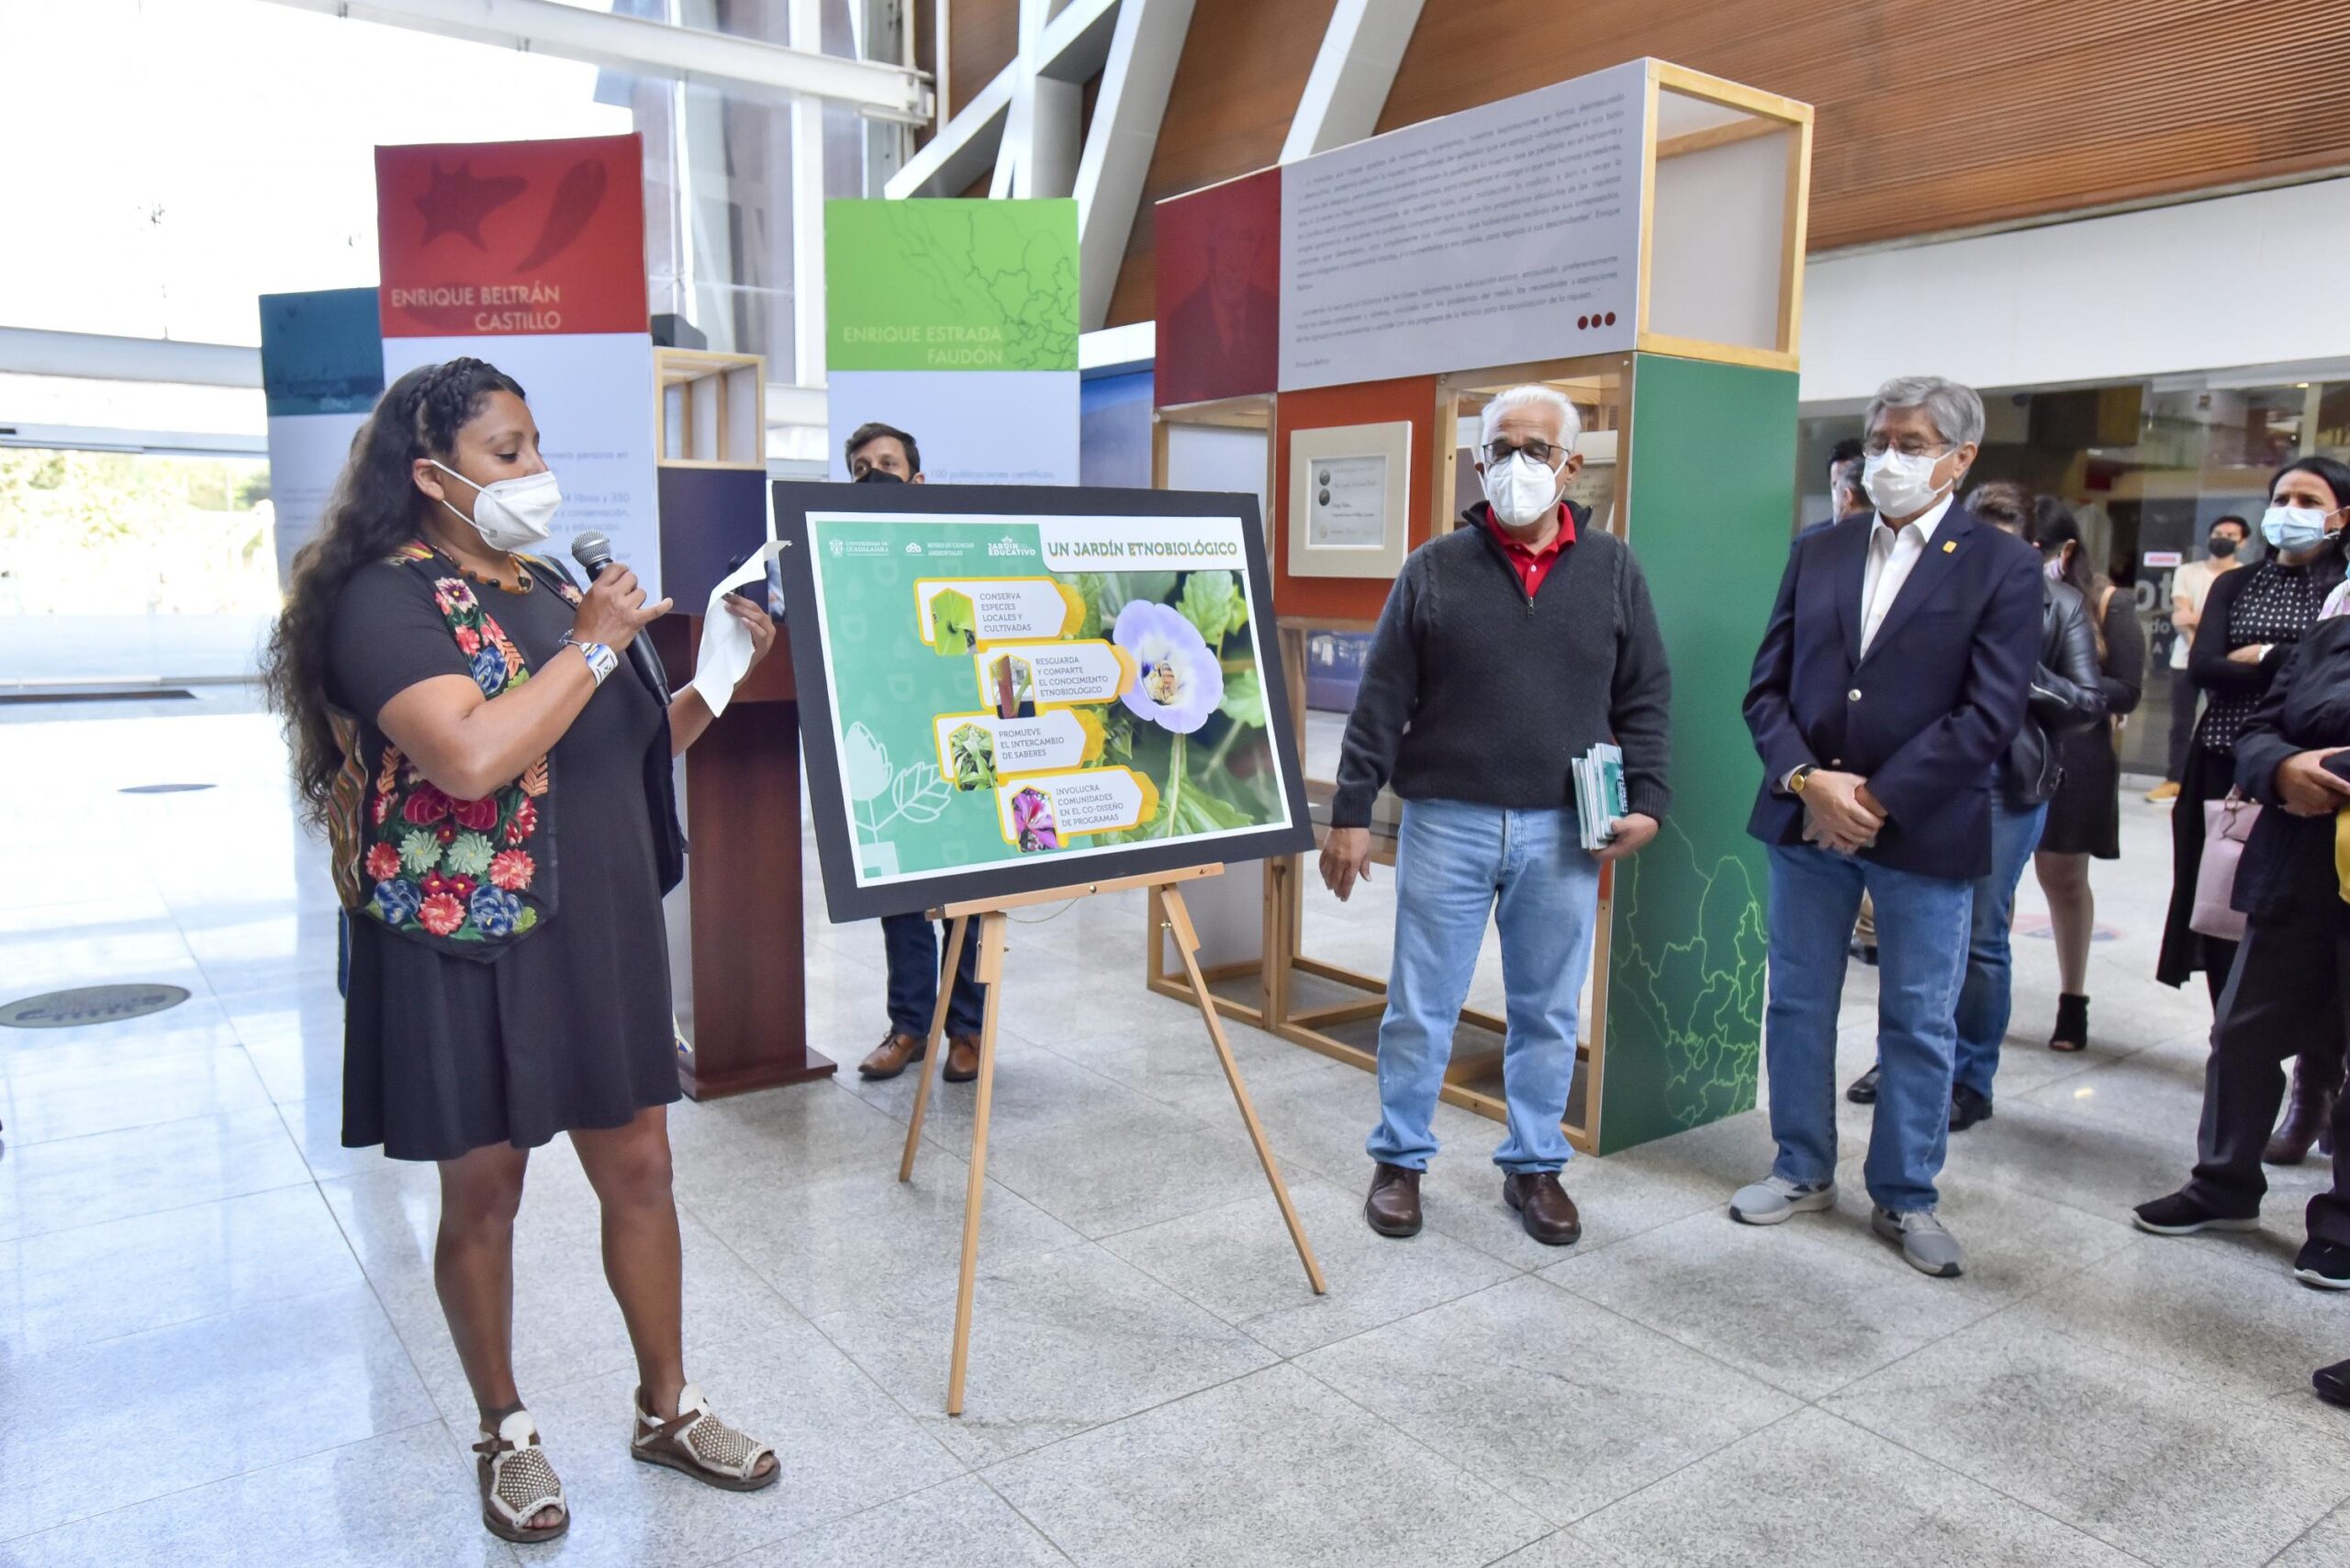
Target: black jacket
(2286, 872)
(1472, 691)
(2066, 694)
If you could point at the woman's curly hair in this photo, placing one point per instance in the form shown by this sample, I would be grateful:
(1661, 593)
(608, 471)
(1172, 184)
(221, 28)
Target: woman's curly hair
(373, 511)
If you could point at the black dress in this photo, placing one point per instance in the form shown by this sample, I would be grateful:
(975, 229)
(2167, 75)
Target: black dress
(2085, 814)
(2271, 603)
(568, 1027)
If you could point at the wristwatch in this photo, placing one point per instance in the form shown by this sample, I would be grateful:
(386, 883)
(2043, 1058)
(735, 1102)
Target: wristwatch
(1798, 777)
(601, 660)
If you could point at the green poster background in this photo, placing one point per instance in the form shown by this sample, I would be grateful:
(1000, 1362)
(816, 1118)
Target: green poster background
(889, 686)
(1712, 452)
(951, 285)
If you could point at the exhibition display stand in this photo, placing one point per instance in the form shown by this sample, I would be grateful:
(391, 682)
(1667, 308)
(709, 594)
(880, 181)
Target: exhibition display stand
(1018, 695)
(1167, 896)
(1657, 283)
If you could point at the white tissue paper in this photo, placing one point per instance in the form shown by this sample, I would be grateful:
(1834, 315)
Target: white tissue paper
(725, 653)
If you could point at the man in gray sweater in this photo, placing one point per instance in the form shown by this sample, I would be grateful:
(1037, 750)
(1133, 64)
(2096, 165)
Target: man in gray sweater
(1508, 648)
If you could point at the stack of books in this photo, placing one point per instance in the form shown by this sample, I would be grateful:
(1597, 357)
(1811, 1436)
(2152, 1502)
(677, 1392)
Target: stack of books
(1599, 794)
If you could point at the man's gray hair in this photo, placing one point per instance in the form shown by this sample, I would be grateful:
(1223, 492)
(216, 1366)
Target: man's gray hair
(1955, 411)
(1532, 395)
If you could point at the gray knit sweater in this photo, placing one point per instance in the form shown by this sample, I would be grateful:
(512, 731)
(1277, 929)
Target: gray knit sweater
(1474, 693)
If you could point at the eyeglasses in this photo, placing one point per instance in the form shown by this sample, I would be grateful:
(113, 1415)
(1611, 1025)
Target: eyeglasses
(1540, 451)
(1909, 446)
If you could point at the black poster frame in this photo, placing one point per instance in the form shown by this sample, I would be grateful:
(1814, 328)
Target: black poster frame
(835, 845)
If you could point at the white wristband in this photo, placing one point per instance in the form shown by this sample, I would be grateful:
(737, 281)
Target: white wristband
(601, 660)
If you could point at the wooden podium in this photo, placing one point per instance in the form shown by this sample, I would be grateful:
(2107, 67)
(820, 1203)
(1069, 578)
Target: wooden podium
(743, 983)
(741, 799)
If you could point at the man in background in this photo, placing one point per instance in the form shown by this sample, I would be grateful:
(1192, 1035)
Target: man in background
(1845, 495)
(880, 454)
(2190, 587)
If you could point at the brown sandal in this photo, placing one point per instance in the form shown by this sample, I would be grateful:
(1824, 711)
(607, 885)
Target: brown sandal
(518, 1484)
(701, 1445)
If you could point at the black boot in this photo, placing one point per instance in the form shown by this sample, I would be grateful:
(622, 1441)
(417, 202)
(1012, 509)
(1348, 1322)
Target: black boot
(2306, 1115)
(2071, 1031)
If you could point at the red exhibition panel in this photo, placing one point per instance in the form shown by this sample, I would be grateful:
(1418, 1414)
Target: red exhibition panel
(1219, 291)
(508, 239)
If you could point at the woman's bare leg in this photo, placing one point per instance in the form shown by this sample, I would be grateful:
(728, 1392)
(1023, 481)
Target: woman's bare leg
(629, 1167)
(473, 1273)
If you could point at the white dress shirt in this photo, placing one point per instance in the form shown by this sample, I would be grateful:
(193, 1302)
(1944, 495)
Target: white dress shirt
(1893, 556)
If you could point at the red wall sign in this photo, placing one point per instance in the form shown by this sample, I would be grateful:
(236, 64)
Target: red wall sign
(1219, 291)
(503, 238)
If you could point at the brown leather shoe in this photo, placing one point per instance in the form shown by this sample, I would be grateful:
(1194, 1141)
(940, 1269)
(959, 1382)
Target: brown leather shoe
(1544, 1207)
(895, 1054)
(962, 1059)
(1394, 1206)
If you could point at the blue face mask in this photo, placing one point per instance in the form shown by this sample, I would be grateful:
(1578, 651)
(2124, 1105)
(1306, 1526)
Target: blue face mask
(2292, 529)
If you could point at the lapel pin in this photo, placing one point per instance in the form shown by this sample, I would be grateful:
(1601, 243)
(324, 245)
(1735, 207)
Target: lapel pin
(1950, 546)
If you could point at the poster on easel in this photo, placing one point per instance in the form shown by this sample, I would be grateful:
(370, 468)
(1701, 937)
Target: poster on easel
(1004, 690)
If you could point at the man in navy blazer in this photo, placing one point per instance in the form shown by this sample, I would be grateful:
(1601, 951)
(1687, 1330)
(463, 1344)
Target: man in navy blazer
(1892, 677)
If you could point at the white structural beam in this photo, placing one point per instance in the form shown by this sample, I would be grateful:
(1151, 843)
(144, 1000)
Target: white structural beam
(962, 151)
(992, 128)
(30, 350)
(1351, 76)
(1135, 75)
(805, 20)
(2090, 301)
(748, 67)
(153, 442)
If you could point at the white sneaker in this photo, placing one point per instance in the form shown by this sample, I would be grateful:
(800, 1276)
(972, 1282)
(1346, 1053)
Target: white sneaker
(1774, 1198)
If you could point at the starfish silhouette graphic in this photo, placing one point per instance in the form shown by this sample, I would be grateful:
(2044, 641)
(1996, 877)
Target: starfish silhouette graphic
(457, 202)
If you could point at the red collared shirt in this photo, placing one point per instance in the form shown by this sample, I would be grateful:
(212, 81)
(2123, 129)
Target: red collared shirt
(1533, 565)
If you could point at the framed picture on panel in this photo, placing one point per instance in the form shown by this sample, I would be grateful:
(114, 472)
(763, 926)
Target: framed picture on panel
(1351, 489)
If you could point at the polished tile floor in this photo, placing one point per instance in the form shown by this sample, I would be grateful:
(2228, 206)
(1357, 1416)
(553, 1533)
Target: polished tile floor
(218, 1340)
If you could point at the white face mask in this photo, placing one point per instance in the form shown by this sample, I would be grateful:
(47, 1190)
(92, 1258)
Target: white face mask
(1900, 484)
(1520, 490)
(2292, 529)
(511, 514)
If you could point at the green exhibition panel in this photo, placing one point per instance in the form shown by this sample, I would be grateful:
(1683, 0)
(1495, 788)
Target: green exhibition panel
(1713, 446)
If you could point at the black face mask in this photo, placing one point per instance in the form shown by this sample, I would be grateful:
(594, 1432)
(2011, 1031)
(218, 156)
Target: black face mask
(878, 476)
(2222, 547)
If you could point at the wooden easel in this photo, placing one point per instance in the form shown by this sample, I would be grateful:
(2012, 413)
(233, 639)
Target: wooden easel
(989, 971)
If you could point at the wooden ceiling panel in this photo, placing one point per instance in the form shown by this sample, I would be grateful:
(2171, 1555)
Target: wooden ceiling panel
(1933, 115)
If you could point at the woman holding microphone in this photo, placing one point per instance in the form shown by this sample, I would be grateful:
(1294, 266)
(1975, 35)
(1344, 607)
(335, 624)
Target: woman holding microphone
(458, 709)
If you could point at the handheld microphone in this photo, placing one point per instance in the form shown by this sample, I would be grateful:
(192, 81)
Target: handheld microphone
(594, 552)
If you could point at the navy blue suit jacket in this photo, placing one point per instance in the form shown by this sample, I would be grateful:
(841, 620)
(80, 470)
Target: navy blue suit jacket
(1926, 714)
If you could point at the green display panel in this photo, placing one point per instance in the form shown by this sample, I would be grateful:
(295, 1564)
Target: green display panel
(951, 285)
(1713, 459)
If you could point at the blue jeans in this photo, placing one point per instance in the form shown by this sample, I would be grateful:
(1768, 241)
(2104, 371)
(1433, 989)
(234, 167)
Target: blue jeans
(911, 942)
(1456, 866)
(1921, 925)
(1982, 999)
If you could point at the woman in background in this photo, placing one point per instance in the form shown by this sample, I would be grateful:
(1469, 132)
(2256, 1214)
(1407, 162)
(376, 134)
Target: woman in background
(2251, 622)
(2084, 817)
(2292, 886)
(456, 706)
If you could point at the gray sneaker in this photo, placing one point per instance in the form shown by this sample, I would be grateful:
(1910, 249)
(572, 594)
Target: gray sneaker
(1925, 1245)
(1774, 1198)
